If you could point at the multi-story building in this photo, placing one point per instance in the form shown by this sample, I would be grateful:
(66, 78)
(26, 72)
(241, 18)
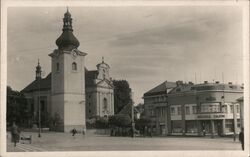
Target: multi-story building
(196, 109)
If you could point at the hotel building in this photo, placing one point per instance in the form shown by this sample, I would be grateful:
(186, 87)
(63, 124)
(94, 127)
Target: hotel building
(178, 108)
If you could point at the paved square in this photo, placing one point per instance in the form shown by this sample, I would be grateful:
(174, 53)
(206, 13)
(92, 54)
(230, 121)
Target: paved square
(52, 141)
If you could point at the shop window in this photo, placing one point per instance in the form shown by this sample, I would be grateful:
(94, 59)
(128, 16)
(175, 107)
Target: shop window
(210, 108)
(179, 110)
(191, 126)
(194, 109)
(176, 126)
(187, 110)
(172, 111)
(229, 125)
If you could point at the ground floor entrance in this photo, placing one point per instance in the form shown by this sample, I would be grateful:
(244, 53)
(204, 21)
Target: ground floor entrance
(211, 127)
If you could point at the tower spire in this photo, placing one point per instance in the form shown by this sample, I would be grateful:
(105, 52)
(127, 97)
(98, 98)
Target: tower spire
(67, 40)
(102, 59)
(38, 71)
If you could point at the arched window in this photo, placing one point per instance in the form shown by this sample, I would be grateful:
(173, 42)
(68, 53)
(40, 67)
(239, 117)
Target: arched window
(74, 66)
(105, 104)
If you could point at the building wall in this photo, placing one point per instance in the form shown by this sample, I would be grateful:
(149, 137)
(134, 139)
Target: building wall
(68, 91)
(95, 101)
(182, 112)
(33, 98)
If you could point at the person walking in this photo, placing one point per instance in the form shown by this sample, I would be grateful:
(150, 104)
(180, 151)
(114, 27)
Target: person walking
(73, 131)
(15, 134)
(241, 138)
(204, 132)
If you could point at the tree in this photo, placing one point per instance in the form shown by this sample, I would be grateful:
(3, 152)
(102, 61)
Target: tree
(121, 94)
(143, 124)
(102, 123)
(120, 121)
(17, 108)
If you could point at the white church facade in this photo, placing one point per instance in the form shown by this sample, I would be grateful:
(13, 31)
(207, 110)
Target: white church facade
(70, 94)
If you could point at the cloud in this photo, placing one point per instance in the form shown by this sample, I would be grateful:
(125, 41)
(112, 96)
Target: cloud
(144, 45)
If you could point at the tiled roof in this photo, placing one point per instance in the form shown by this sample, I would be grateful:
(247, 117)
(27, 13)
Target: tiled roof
(161, 88)
(45, 83)
(206, 86)
(42, 84)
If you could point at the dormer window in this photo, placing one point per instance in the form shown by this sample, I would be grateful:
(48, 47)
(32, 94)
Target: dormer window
(74, 66)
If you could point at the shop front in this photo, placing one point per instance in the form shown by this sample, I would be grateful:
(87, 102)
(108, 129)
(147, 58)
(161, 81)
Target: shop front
(212, 127)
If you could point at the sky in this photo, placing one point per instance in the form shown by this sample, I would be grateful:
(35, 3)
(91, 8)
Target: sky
(143, 45)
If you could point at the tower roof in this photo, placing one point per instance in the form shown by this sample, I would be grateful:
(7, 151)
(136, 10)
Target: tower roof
(38, 67)
(67, 40)
(102, 63)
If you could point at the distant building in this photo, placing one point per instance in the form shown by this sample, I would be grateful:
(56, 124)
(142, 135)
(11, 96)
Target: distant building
(138, 110)
(70, 93)
(194, 109)
(241, 102)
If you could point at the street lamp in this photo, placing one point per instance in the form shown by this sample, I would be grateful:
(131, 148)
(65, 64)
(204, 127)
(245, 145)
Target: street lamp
(39, 74)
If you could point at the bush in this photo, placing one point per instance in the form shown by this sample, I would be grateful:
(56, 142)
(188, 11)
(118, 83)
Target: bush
(120, 120)
(102, 123)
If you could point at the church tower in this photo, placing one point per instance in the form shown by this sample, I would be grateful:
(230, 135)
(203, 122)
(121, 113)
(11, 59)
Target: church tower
(38, 71)
(68, 80)
(103, 70)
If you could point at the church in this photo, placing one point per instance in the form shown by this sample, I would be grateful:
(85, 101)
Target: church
(70, 94)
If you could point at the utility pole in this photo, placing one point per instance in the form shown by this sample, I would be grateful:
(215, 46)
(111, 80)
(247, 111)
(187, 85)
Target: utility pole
(132, 115)
(39, 110)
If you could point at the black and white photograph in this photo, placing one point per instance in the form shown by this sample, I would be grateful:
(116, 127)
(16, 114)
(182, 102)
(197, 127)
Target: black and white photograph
(120, 79)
